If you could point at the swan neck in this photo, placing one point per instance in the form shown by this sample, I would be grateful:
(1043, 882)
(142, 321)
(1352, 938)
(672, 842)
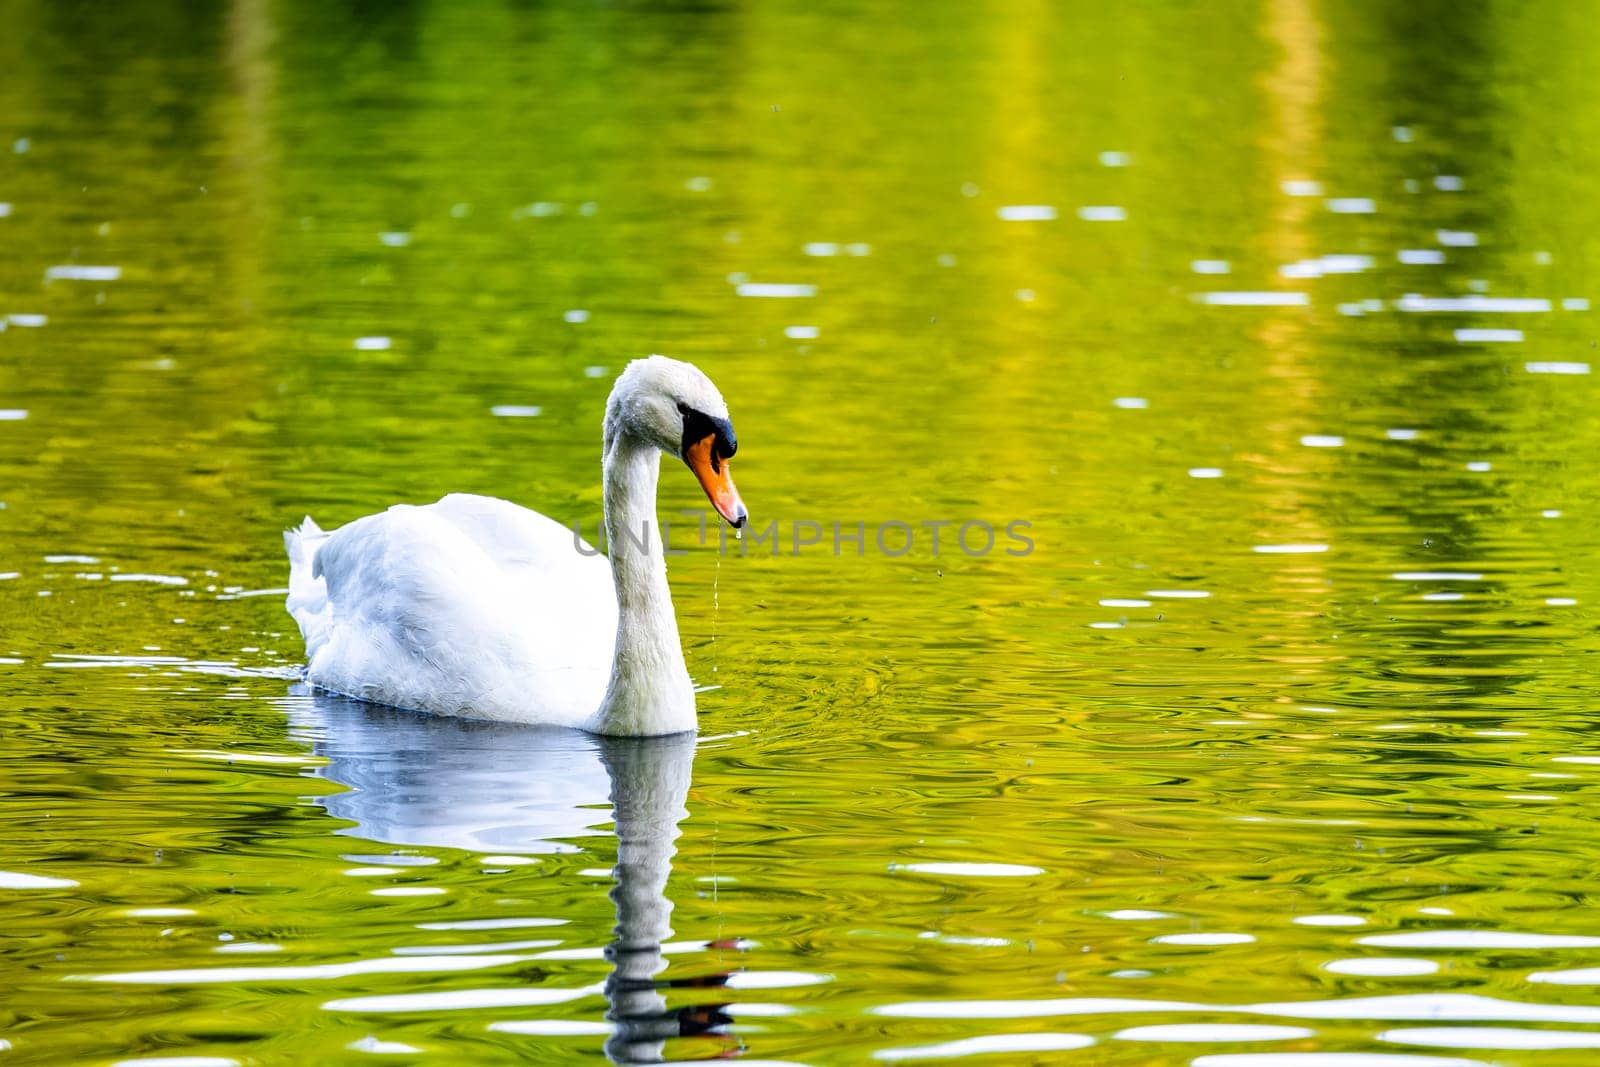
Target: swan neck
(650, 691)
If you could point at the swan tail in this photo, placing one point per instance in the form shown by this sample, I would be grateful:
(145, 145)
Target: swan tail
(308, 593)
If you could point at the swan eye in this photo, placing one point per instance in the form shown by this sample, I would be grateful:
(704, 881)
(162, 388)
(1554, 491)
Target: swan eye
(697, 426)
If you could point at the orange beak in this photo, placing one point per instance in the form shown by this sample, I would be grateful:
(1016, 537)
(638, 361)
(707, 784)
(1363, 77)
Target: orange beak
(712, 470)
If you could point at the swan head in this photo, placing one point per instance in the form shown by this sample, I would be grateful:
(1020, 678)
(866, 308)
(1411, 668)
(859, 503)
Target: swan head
(672, 405)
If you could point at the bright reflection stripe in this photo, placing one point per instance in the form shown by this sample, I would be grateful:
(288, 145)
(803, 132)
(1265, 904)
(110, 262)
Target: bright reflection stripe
(78, 272)
(973, 870)
(1213, 1032)
(1255, 299)
(23, 880)
(978, 1046)
(551, 1027)
(774, 979)
(1478, 939)
(1581, 976)
(1381, 966)
(472, 950)
(1512, 305)
(1329, 1059)
(1468, 335)
(1026, 213)
(490, 924)
(463, 999)
(310, 972)
(1031, 1009)
(778, 290)
(1429, 1007)
(1492, 1037)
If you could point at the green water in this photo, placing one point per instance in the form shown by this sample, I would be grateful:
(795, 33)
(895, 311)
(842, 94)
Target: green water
(1129, 798)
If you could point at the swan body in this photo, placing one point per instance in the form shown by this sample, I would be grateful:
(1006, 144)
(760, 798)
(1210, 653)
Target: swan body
(476, 607)
(469, 606)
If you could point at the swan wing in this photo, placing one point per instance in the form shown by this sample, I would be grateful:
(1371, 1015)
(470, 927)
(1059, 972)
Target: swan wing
(469, 606)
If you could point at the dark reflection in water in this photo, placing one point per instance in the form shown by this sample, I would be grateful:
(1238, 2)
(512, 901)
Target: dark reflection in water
(427, 781)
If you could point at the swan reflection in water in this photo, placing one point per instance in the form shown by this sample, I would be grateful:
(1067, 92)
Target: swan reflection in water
(437, 782)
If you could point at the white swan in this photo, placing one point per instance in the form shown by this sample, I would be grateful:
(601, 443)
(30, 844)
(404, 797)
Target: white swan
(476, 607)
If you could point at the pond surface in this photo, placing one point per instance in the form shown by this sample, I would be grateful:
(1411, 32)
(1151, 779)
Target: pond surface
(1274, 328)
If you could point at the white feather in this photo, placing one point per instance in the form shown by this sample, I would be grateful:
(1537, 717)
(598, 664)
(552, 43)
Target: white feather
(470, 606)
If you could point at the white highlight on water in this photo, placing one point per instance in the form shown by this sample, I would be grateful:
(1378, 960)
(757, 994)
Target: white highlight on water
(777, 290)
(971, 870)
(20, 880)
(1505, 304)
(1026, 213)
(1338, 263)
(987, 1045)
(1381, 966)
(1255, 299)
(1229, 1032)
(81, 273)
